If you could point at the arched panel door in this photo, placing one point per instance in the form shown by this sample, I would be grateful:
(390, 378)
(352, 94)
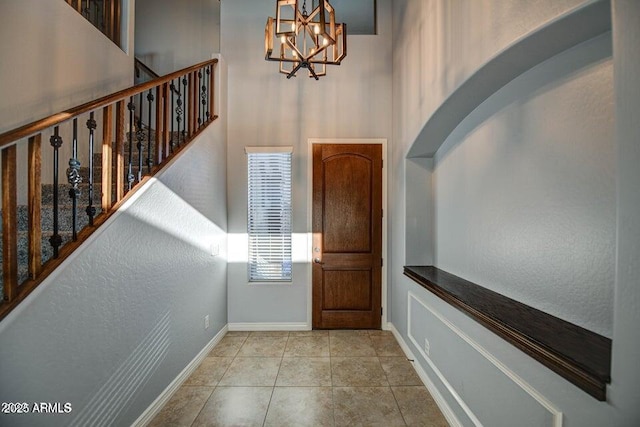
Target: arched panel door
(347, 236)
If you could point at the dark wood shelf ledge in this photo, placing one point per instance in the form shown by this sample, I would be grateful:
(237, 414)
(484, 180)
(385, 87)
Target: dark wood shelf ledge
(581, 356)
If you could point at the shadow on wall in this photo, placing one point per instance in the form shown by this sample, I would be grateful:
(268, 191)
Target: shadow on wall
(540, 79)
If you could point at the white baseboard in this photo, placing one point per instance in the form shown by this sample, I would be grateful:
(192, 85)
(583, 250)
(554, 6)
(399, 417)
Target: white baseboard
(257, 326)
(435, 393)
(153, 409)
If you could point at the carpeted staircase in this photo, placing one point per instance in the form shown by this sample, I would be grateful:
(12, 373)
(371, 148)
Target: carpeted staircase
(65, 210)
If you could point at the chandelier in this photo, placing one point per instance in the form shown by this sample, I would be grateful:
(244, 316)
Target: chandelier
(310, 40)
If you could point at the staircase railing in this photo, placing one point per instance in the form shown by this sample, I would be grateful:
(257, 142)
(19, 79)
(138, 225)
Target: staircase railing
(176, 108)
(105, 15)
(143, 72)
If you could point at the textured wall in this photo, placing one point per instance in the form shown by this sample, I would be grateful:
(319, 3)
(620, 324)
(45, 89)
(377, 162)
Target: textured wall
(173, 34)
(352, 101)
(523, 194)
(625, 384)
(525, 190)
(124, 315)
(54, 59)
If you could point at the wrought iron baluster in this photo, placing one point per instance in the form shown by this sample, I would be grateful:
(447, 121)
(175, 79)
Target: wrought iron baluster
(172, 143)
(150, 98)
(179, 111)
(207, 82)
(186, 103)
(130, 177)
(140, 139)
(200, 107)
(91, 125)
(74, 179)
(55, 240)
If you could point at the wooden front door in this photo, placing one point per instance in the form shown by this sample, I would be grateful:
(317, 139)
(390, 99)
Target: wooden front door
(347, 236)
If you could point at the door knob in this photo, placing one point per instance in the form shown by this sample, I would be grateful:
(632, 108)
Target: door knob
(317, 261)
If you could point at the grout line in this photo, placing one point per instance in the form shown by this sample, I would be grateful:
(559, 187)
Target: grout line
(203, 406)
(398, 405)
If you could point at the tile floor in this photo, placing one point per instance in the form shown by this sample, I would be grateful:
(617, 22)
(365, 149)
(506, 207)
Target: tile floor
(306, 378)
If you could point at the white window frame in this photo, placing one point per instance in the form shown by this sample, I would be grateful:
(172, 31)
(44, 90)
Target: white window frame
(275, 262)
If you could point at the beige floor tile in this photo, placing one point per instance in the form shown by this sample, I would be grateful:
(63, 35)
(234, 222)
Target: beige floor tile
(379, 333)
(399, 371)
(310, 346)
(348, 332)
(251, 371)
(269, 334)
(210, 371)
(357, 372)
(386, 346)
(365, 406)
(305, 371)
(237, 334)
(183, 407)
(235, 406)
(300, 406)
(227, 347)
(351, 345)
(263, 346)
(313, 333)
(418, 407)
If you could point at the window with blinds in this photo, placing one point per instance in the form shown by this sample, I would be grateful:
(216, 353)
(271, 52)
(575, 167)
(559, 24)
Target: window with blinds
(269, 213)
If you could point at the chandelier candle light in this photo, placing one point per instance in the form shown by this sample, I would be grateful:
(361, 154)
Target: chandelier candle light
(307, 40)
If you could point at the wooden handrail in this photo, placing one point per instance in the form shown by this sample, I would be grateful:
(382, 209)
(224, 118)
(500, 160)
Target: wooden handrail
(32, 128)
(191, 105)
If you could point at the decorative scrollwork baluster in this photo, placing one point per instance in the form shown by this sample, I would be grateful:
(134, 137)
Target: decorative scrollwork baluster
(179, 111)
(91, 125)
(186, 103)
(150, 99)
(200, 107)
(205, 90)
(55, 240)
(140, 138)
(172, 142)
(130, 177)
(74, 179)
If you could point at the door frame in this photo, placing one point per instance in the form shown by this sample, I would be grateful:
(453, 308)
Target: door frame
(374, 141)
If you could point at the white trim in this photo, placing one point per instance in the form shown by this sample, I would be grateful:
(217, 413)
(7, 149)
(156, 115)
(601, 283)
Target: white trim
(444, 407)
(157, 405)
(274, 149)
(383, 142)
(260, 326)
(543, 401)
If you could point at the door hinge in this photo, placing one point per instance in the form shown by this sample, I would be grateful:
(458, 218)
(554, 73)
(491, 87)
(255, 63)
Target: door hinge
(382, 213)
(381, 311)
(381, 262)
(382, 163)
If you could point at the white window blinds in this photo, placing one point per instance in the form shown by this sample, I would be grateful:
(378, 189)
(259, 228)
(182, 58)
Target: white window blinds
(269, 214)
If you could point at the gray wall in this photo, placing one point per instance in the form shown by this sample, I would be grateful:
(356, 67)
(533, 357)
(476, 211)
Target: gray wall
(174, 34)
(525, 190)
(523, 199)
(266, 109)
(625, 383)
(122, 317)
(54, 59)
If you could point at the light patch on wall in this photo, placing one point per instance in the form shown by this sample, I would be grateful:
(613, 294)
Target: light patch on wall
(183, 221)
(118, 391)
(238, 248)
